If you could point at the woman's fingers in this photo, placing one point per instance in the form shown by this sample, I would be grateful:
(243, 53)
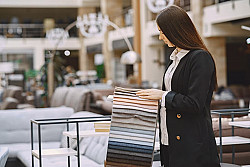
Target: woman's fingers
(144, 92)
(152, 94)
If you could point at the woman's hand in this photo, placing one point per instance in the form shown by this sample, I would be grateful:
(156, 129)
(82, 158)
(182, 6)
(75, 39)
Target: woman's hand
(152, 94)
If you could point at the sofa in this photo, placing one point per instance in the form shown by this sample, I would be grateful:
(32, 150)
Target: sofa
(83, 98)
(230, 97)
(242, 152)
(12, 96)
(15, 135)
(4, 152)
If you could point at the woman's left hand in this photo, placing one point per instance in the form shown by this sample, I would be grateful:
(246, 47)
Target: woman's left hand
(152, 94)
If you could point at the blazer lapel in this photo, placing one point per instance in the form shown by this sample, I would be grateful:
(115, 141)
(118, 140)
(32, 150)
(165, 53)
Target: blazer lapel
(175, 84)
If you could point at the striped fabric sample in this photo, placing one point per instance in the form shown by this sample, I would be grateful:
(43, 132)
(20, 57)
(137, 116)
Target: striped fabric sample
(132, 131)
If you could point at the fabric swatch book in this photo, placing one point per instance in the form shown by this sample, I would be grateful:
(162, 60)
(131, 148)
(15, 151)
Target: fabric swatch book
(132, 130)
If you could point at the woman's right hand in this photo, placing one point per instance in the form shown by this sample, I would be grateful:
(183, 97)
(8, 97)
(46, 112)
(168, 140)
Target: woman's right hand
(152, 94)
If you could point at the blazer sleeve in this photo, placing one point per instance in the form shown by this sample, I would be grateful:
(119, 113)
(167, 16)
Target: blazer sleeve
(201, 72)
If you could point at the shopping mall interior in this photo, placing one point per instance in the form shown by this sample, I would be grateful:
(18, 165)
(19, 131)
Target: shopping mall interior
(64, 58)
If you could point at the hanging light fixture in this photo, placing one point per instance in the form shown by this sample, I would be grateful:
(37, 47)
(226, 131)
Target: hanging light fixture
(130, 57)
(57, 36)
(156, 6)
(92, 25)
(95, 25)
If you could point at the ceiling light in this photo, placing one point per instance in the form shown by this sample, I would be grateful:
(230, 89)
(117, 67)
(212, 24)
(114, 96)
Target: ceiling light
(67, 53)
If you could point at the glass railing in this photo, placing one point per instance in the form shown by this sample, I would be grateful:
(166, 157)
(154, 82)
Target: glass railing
(29, 30)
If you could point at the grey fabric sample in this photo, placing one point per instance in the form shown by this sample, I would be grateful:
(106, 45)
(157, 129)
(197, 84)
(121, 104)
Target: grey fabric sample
(129, 149)
(129, 157)
(132, 141)
(130, 153)
(132, 112)
(133, 130)
(131, 134)
(135, 121)
(134, 108)
(129, 145)
(139, 117)
(132, 126)
(130, 137)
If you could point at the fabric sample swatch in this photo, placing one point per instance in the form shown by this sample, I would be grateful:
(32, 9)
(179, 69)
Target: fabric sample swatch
(132, 130)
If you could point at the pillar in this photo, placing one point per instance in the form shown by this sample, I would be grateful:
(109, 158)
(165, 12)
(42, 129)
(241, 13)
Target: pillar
(217, 47)
(112, 8)
(83, 56)
(137, 38)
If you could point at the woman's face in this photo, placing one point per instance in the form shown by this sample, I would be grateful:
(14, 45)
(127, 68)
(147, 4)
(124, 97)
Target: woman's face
(164, 38)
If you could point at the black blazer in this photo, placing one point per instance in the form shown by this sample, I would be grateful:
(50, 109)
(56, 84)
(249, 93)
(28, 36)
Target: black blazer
(189, 124)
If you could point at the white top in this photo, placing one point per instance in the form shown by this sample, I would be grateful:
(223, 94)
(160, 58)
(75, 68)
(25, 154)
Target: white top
(176, 57)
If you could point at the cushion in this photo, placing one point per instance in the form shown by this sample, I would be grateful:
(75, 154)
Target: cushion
(97, 149)
(16, 92)
(76, 98)
(9, 103)
(4, 152)
(58, 98)
(83, 126)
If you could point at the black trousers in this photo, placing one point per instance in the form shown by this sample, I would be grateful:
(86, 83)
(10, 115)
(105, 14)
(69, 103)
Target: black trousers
(164, 155)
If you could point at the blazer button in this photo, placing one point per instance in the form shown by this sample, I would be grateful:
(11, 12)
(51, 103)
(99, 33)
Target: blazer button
(178, 137)
(178, 116)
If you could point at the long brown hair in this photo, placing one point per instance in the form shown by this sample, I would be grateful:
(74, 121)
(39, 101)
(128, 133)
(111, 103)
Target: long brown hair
(180, 30)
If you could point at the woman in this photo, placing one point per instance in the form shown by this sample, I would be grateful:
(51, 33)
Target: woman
(186, 134)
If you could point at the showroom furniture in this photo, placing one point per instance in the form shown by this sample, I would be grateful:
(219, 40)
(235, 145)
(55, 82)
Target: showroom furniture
(232, 139)
(4, 152)
(240, 93)
(76, 134)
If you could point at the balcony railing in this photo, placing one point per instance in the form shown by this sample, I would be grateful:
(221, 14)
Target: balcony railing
(217, 2)
(29, 30)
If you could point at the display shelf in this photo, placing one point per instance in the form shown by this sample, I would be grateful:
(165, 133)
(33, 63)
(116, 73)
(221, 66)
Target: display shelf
(241, 124)
(43, 153)
(86, 133)
(54, 152)
(232, 140)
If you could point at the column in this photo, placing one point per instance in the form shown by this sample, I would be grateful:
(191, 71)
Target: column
(112, 8)
(197, 13)
(38, 58)
(137, 38)
(217, 47)
(83, 56)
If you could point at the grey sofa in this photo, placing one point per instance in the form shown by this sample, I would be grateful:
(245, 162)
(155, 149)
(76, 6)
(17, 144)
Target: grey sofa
(15, 128)
(15, 135)
(4, 152)
(73, 97)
